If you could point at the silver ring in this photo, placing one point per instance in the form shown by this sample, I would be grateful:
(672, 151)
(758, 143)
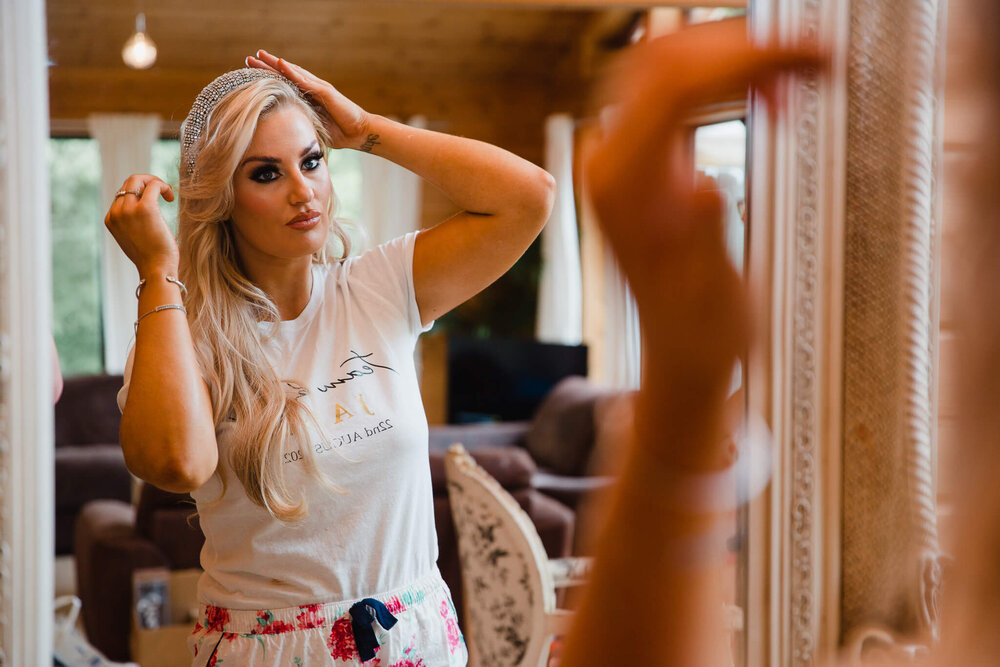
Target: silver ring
(122, 193)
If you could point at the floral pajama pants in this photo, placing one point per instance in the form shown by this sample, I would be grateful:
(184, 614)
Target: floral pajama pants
(424, 633)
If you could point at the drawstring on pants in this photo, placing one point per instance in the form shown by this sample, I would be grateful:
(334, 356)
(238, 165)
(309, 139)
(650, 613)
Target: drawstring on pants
(361, 624)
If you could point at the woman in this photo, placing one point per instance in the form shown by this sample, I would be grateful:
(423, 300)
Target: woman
(280, 389)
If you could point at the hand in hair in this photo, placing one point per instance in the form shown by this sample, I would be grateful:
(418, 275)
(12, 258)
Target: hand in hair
(346, 122)
(138, 225)
(668, 238)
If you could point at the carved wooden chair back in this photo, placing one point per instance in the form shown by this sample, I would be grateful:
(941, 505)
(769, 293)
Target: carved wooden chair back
(510, 602)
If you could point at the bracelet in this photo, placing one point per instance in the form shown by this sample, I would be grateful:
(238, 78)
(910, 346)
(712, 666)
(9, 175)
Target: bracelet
(721, 491)
(169, 279)
(166, 306)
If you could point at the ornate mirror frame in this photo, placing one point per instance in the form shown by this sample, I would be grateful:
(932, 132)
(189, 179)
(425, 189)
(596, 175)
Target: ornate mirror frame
(844, 551)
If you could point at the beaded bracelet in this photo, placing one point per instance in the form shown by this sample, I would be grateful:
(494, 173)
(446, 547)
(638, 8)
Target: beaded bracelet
(166, 306)
(169, 279)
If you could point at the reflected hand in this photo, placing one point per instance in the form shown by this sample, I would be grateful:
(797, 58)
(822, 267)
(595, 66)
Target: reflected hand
(346, 122)
(137, 224)
(668, 235)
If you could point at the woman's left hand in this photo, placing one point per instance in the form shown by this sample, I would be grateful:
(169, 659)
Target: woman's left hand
(346, 121)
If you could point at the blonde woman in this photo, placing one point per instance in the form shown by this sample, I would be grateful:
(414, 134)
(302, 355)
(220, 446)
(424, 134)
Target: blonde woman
(273, 378)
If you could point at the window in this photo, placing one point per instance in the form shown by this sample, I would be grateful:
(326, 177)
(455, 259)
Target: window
(74, 184)
(165, 161)
(345, 170)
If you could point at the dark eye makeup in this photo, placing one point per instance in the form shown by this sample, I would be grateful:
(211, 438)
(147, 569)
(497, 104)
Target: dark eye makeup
(266, 173)
(312, 161)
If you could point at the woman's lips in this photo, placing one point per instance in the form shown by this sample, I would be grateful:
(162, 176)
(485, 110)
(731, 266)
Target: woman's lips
(304, 221)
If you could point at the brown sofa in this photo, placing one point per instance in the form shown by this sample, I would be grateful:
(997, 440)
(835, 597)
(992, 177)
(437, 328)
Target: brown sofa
(88, 459)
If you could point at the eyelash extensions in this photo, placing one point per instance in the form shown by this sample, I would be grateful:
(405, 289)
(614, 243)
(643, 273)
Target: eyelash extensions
(268, 172)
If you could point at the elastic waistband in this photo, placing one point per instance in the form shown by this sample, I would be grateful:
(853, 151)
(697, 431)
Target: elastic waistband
(305, 617)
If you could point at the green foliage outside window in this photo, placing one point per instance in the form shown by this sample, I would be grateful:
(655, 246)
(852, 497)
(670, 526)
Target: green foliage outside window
(77, 225)
(165, 159)
(345, 171)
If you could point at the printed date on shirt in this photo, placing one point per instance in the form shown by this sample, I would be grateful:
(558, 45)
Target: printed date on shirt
(344, 439)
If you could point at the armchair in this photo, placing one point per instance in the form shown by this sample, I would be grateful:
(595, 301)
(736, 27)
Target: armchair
(113, 540)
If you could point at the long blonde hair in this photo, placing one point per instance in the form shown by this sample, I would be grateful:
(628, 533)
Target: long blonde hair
(224, 307)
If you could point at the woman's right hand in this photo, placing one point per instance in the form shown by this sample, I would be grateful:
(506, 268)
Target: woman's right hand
(138, 225)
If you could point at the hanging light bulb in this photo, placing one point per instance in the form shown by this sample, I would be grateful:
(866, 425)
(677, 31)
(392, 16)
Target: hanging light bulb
(139, 51)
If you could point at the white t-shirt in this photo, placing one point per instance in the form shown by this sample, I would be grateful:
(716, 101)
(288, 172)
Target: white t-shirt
(351, 351)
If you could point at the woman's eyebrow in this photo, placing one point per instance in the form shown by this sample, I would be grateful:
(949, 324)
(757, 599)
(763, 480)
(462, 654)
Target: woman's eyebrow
(273, 160)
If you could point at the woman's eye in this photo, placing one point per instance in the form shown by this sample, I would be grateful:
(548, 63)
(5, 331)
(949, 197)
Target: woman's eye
(264, 174)
(312, 162)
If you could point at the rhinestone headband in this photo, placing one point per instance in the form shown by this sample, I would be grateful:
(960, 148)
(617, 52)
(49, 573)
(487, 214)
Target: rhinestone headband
(208, 98)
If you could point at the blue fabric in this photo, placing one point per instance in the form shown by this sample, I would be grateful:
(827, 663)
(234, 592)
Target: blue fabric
(361, 624)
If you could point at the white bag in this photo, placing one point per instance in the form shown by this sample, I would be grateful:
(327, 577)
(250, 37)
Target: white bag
(70, 648)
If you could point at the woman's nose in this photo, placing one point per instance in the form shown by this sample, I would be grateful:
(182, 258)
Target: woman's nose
(301, 191)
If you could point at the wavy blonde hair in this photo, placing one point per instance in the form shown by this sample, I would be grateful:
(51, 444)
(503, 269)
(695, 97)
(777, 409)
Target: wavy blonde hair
(224, 307)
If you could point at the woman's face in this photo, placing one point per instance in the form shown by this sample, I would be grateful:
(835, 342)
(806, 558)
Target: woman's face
(282, 191)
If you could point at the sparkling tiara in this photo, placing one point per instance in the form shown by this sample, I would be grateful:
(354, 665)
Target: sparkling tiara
(194, 124)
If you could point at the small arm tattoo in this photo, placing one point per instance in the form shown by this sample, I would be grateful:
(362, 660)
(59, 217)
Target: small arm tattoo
(370, 143)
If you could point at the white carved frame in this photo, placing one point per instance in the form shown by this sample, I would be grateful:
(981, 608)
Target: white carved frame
(797, 273)
(26, 484)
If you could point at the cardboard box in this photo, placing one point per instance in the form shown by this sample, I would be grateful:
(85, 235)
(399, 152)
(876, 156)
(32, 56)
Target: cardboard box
(166, 646)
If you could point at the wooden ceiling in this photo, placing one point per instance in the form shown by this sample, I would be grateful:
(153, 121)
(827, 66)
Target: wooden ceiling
(440, 59)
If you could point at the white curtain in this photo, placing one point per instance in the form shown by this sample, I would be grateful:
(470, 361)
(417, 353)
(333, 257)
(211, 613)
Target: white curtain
(126, 144)
(622, 342)
(611, 315)
(560, 291)
(390, 197)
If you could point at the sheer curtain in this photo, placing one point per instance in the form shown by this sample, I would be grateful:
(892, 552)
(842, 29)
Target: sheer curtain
(622, 363)
(126, 144)
(390, 197)
(610, 314)
(560, 290)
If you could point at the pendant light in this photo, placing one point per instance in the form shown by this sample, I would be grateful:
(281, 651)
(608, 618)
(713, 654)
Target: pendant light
(139, 51)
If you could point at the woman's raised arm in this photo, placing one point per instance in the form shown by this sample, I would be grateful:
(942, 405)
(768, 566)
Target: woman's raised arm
(167, 430)
(505, 200)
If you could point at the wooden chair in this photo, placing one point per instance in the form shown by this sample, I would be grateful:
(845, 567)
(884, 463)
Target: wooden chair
(509, 582)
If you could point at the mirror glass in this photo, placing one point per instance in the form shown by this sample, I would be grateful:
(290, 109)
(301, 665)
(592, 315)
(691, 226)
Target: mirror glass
(489, 71)
(720, 154)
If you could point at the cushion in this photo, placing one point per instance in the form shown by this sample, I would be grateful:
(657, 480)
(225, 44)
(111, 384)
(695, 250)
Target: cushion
(153, 499)
(561, 435)
(90, 472)
(87, 412)
(512, 467)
